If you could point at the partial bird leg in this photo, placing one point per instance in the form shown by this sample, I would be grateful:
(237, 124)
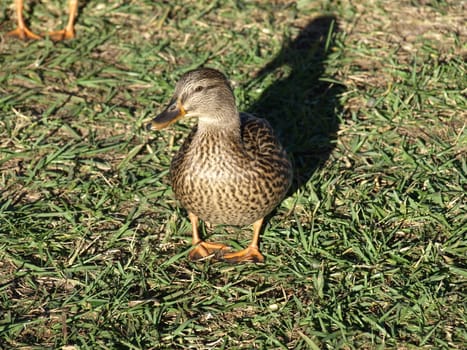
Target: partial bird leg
(22, 31)
(251, 253)
(69, 31)
(203, 249)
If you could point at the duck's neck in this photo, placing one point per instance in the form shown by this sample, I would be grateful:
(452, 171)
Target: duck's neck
(225, 122)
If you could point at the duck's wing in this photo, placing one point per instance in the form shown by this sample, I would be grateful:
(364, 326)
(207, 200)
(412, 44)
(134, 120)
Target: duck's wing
(258, 138)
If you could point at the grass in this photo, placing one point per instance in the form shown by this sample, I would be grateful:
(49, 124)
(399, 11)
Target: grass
(368, 250)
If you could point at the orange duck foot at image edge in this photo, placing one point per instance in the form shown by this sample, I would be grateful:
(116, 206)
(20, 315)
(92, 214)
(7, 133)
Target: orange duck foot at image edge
(23, 32)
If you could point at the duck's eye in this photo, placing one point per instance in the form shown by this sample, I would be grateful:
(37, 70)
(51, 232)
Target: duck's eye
(199, 88)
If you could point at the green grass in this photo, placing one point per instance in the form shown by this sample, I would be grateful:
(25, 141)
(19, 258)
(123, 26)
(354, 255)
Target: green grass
(368, 250)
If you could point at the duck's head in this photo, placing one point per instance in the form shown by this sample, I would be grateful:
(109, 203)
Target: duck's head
(204, 93)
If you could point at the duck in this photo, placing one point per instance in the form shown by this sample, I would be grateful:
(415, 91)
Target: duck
(231, 169)
(23, 32)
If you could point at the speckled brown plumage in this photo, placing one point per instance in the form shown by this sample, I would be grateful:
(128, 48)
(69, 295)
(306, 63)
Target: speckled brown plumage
(230, 169)
(231, 177)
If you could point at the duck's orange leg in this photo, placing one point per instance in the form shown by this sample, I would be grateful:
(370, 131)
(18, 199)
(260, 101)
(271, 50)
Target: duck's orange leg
(203, 249)
(22, 31)
(69, 31)
(251, 253)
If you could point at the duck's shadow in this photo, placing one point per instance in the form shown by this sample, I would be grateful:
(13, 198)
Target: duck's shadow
(302, 107)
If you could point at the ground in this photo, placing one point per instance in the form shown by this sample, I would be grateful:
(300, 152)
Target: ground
(367, 251)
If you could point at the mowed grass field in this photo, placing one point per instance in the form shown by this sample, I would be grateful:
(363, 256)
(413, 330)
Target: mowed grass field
(367, 251)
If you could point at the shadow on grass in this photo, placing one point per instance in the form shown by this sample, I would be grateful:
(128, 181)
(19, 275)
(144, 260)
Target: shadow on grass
(301, 107)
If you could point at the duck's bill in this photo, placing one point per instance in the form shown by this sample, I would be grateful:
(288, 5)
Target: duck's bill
(169, 116)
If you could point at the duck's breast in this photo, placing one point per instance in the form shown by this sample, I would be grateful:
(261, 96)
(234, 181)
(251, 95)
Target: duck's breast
(228, 182)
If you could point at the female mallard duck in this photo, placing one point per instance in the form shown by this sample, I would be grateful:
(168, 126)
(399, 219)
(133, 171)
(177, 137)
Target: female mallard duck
(23, 32)
(231, 169)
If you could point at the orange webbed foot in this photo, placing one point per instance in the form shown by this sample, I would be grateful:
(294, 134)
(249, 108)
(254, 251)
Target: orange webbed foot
(206, 249)
(23, 34)
(63, 34)
(249, 254)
